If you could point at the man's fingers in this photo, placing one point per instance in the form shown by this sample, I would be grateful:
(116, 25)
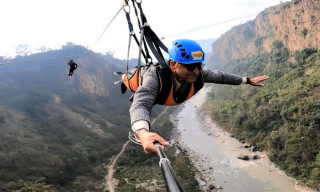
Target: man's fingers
(163, 141)
(148, 139)
(256, 81)
(265, 77)
(259, 79)
(150, 149)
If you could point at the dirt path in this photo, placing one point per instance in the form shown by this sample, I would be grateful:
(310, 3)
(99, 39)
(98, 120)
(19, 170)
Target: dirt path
(109, 177)
(110, 184)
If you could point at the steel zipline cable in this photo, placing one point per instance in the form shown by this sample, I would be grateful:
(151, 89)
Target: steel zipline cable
(46, 59)
(210, 25)
(64, 57)
(99, 38)
(109, 24)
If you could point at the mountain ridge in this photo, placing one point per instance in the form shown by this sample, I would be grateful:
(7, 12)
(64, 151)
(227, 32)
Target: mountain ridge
(59, 127)
(295, 24)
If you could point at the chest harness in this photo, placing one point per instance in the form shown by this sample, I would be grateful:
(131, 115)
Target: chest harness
(132, 79)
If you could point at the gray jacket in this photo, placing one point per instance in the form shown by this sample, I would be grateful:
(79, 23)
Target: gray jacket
(145, 96)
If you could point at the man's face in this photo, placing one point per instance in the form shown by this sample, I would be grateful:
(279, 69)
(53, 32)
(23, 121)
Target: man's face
(186, 72)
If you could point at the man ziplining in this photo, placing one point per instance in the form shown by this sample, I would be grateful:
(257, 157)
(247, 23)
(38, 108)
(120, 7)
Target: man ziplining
(172, 86)
(73, 66)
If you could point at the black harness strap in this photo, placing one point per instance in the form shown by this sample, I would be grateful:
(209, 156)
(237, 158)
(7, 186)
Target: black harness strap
(147, 37)
(157, 41)
(166, 80)
(165, 83)
(144, 55)
(141, 26)
(154, 50)
(143, 17)
(199, 83)
(182, 93)
(154, 43)
(136, 12)
(132, 33)
(152, 39)
(140, 45)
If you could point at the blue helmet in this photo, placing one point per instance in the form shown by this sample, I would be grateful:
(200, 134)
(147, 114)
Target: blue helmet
(186, 51)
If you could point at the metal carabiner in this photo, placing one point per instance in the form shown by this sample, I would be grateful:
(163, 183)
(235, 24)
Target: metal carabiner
(126, 8)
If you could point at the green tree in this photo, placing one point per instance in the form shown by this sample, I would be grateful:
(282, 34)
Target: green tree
(38, 185)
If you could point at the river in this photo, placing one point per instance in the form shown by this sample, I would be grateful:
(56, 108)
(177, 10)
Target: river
(214, 152)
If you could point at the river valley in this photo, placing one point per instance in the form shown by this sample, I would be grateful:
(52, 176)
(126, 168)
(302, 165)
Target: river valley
(214, 152)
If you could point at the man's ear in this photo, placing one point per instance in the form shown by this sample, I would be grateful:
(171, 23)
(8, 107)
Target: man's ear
(172, 64)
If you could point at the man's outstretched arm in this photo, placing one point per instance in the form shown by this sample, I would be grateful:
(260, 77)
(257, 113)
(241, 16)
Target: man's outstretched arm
(140, 111)
(216, 76)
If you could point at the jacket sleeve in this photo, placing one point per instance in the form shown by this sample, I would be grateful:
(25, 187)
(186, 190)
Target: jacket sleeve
(220, 77)
(144, 99)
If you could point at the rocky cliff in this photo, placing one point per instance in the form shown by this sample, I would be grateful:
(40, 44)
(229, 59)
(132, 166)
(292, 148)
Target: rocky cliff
(93, 77)
(295, 23)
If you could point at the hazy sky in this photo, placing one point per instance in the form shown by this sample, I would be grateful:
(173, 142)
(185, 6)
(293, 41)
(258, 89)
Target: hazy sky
(52, 23)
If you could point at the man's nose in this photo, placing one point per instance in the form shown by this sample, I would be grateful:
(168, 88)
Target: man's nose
(196, 71)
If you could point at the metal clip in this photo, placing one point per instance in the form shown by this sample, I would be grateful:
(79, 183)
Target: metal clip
(117, 82)
(117, 73)
(126, 8)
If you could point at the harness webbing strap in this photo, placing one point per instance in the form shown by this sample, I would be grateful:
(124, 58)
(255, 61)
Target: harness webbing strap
(157, 41)
(144, 20)
(136, 12)
(137, 41)
(147, 37)
(130, 26)
(143, 17)
(129, 45)
(129, 21)
(154, 47)
(163, 92)
(143, 25)
(168, 96)
(140, 47)
(147, 51)
(152, 40)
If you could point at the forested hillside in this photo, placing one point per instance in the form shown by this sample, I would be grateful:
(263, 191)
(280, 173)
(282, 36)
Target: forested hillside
(282, 118)
(59, 130)
(59, 133)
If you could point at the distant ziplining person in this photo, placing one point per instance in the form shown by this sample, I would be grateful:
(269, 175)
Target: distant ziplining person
(73, 66)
